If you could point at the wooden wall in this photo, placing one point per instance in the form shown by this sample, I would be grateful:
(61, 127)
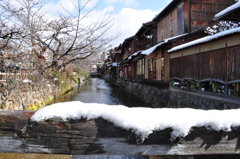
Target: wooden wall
(203, 11)
(127, 50)
(208, 65)
(205, 62)
(233, 63)
(179, 20)
(158, 55)
(168, 26)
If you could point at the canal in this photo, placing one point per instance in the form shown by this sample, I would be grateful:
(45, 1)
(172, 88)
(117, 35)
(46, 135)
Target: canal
(95, 90)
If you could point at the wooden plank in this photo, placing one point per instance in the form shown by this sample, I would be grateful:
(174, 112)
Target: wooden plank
(233, 40)
(214, 45)
(233, 66)
(176, 54)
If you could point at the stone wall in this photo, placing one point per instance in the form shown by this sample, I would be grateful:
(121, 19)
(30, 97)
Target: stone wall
(175, 98)
(29, 95)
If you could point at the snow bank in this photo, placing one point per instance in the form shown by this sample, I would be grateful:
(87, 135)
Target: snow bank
(206, 39)
(144, 121)
(229, 9)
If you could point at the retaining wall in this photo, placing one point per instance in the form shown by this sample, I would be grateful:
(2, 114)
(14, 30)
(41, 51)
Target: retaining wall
(175, 98)
(31, 95)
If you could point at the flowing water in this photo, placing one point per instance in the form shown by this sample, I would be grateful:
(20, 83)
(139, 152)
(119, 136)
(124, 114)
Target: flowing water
(99, 91)
(94, 91)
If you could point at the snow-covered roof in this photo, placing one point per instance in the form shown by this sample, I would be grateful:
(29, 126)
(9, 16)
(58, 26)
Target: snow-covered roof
(227, 10)
(205, 39)
(144, 121)
(135, 54)
(152, 49)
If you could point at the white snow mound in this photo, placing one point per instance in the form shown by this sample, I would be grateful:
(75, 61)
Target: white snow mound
(144, 121)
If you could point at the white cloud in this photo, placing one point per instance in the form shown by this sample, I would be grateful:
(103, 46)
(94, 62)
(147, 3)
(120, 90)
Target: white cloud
(89, 4)
(62, 7)
(109, 9)
(68, 5)
(128, 21)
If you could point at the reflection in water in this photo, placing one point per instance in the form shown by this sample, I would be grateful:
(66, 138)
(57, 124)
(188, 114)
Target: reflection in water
(99, 91)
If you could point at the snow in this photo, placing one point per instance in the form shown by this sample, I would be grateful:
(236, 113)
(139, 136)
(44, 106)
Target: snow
(152, 49)
(144, 121)
(206, 39)
(27, 81)
(135, 54)
(229, 9)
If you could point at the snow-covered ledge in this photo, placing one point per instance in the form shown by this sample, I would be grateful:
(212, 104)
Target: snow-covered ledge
(80, 128)
(144, 121)
(227, 10)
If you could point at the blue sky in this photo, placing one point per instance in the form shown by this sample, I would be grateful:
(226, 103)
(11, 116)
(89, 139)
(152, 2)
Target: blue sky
(134, 4)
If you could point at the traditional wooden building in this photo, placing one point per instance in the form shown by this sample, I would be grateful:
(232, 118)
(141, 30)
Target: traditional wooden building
(145, 55)
(185, 19)
(116, 60)
(127, 51)
(212, 61)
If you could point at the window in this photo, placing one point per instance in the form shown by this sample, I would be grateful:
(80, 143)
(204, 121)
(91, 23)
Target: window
(152, 69)
(140, 67)
(162, 68)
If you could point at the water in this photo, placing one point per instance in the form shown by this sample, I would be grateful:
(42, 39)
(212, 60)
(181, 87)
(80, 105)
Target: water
(94, 91)
(99, 91)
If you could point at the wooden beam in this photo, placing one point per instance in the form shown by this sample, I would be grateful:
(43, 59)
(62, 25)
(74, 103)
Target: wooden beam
(81, 137)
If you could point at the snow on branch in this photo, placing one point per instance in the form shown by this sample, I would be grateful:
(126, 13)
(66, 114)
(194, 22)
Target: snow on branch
(221, 26)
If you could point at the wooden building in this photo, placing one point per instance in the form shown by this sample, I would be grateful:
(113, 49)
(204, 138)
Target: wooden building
(212, 61)
(127, 51)
(185, 18)
(116, 58)
(145, 55)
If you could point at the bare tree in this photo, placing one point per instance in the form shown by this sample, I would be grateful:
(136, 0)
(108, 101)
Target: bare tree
(62, 39)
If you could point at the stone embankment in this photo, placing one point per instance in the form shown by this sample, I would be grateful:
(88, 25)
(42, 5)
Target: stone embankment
(176, 98)
(30, 95)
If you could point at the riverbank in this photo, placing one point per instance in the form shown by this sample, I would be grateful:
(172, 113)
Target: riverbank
(29, 95)
(176, 98)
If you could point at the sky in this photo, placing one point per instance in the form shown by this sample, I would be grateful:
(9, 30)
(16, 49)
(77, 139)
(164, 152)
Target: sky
(128, 14)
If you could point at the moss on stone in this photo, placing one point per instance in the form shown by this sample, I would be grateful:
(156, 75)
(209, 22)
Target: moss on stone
(48, 100)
